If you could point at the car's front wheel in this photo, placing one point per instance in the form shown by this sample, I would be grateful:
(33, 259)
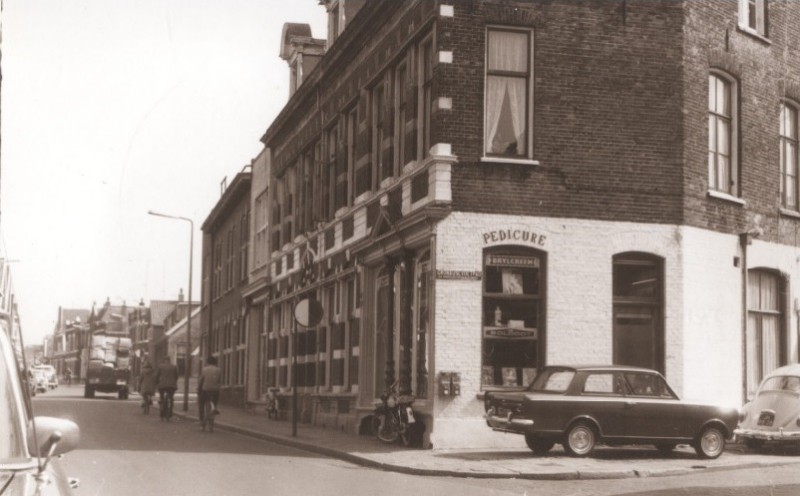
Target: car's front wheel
(538, 445)
(710, 443)
(580, 439)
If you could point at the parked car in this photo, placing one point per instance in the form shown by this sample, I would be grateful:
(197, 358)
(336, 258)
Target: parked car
(30, 445)
(50, 374)
(773, 415)
(581, 407)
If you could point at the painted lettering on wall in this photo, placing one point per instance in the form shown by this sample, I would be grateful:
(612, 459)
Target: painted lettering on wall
(458, 274)
(518, 235)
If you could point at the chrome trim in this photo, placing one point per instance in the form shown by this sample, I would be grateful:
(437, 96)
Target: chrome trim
(505, 422)
(767, 435)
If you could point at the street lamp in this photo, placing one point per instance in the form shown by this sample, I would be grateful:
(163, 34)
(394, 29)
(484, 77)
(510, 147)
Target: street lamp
(189, 311)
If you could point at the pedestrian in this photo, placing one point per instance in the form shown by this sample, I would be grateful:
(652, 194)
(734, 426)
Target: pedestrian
(147, 383)
(208, 386)
(167, 383)
(68, 376)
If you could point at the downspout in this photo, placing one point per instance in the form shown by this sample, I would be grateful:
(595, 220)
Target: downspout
(744, 241)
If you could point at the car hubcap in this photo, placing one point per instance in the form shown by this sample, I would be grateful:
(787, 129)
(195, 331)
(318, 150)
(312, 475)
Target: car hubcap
(580, 440)
(711, 443)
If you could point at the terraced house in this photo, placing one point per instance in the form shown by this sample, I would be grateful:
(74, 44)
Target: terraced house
(476, 189)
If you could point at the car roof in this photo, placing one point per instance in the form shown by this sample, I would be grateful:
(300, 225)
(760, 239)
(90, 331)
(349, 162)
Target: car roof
(595, 367)
(793, 369)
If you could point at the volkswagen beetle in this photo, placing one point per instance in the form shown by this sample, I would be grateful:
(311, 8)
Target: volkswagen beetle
(773, 415)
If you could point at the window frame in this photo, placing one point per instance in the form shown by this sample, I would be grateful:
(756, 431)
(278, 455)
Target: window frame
(788, 141)
(754, 17)
(733, 170)
(425, 95)
(528, 155)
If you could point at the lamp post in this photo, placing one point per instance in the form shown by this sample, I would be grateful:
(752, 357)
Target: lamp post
(189, 311)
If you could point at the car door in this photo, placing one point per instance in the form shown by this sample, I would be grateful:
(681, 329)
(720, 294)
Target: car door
(602, 398)
(651, 409)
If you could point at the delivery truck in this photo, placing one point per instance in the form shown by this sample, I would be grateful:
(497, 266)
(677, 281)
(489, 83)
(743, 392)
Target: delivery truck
(108, 369)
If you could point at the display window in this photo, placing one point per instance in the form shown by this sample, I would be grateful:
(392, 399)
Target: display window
(513, 316)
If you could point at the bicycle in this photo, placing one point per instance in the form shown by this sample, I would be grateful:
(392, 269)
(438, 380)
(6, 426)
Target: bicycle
(166, 403)
(209, 410)
(147, 400)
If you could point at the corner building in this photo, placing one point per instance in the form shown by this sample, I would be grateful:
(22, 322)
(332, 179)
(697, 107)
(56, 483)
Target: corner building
(477, 189)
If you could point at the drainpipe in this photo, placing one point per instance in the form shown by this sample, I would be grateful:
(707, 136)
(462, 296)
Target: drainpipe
(744, 241)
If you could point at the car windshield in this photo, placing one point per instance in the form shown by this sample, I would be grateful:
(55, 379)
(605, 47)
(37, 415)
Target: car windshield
(552, 381)
(12, 449)
(781, 383)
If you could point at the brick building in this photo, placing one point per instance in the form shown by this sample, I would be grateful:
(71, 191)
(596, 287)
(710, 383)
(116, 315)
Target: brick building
(476, 189)
(225, 277)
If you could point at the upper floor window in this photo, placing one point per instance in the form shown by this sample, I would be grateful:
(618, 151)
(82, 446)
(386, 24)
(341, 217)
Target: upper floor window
(508, 73)
(753, 16)
(261, 227)
(426, 94)
(789, 159)
(722, 165)
(351, 129)
(378, 128)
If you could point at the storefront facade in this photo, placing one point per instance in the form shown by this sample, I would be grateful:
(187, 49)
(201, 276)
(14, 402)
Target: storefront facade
(469, 205)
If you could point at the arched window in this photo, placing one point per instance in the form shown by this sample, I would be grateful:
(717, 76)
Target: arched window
(513, 315)
(765, 337)
(638, 280)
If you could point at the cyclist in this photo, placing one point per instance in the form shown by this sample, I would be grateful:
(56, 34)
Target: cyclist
(147, 384)
(208, 386)
(167, 383)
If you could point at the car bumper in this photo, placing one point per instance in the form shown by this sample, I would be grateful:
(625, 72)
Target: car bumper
(767, 435)
(509, 423)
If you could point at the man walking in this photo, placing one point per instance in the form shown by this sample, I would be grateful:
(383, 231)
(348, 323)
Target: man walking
(167, 381)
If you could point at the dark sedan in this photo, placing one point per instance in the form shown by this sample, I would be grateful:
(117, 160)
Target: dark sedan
(581, 407)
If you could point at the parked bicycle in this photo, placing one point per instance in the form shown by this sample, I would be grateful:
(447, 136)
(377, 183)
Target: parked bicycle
(394, 418)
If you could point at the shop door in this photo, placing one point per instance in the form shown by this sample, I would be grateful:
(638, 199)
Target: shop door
(637, 313)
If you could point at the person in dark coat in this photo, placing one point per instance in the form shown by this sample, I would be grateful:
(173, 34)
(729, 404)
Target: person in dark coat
(147, 383)
(167, 383)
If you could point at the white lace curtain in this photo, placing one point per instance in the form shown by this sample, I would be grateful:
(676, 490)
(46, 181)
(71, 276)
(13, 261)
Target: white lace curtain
(508, 52)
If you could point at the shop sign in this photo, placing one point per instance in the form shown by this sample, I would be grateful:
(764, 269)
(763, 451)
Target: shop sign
(512, 261)
(514, 235)
(509, 332)
(474, 275)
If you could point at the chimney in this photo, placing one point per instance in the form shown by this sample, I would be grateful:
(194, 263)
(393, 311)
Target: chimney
(180, 296)
(300, 51)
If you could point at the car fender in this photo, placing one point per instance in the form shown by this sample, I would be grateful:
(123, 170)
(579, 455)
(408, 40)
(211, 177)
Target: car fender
(716, 422)
(584, 418)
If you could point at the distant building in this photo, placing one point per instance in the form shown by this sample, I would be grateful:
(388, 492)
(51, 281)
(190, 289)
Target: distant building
(225, 278)
(69, 341)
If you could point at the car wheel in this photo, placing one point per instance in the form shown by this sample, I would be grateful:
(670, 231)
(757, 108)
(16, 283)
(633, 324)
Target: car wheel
(710, 443)
(665, 448)
(754, 443)
(538, 445)
(580, 439)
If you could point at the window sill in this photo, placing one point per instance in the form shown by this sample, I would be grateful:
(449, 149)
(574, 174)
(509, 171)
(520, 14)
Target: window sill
(785, 212)
(725, 196)
(505, 160)
(753, 33)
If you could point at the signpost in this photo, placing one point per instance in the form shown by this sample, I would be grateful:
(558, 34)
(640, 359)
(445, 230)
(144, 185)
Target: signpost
(307, 313)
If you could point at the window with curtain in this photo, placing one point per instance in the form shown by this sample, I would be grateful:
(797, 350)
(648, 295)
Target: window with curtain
(722, 171)
(753, 16)
(508, 71)
(764, 339)
(788, 154)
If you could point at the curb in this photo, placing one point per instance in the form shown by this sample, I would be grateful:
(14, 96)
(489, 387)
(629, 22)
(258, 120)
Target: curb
(553, 476)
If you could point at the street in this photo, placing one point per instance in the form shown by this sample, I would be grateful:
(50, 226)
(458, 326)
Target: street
(123, 451)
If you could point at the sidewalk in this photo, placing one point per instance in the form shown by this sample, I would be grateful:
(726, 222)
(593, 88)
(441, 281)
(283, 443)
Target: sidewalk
(605, 462)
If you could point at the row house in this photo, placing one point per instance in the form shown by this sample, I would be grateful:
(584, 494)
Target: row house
(225, 268)
(69, 340)
(476, 189)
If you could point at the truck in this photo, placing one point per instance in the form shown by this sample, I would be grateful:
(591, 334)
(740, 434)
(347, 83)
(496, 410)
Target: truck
(108, 369)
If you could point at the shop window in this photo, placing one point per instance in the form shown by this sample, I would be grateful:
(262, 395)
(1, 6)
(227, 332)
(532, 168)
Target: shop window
(508, 71)
(765, 329)
(422, 328)
(513, 315)
(638, 338)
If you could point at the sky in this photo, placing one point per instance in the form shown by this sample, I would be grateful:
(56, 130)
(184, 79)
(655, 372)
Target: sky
(111, 109)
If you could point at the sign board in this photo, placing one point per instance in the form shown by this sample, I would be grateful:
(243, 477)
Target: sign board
(308, 312)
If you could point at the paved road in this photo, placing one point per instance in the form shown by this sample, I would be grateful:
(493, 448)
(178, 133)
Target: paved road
(124, 452)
